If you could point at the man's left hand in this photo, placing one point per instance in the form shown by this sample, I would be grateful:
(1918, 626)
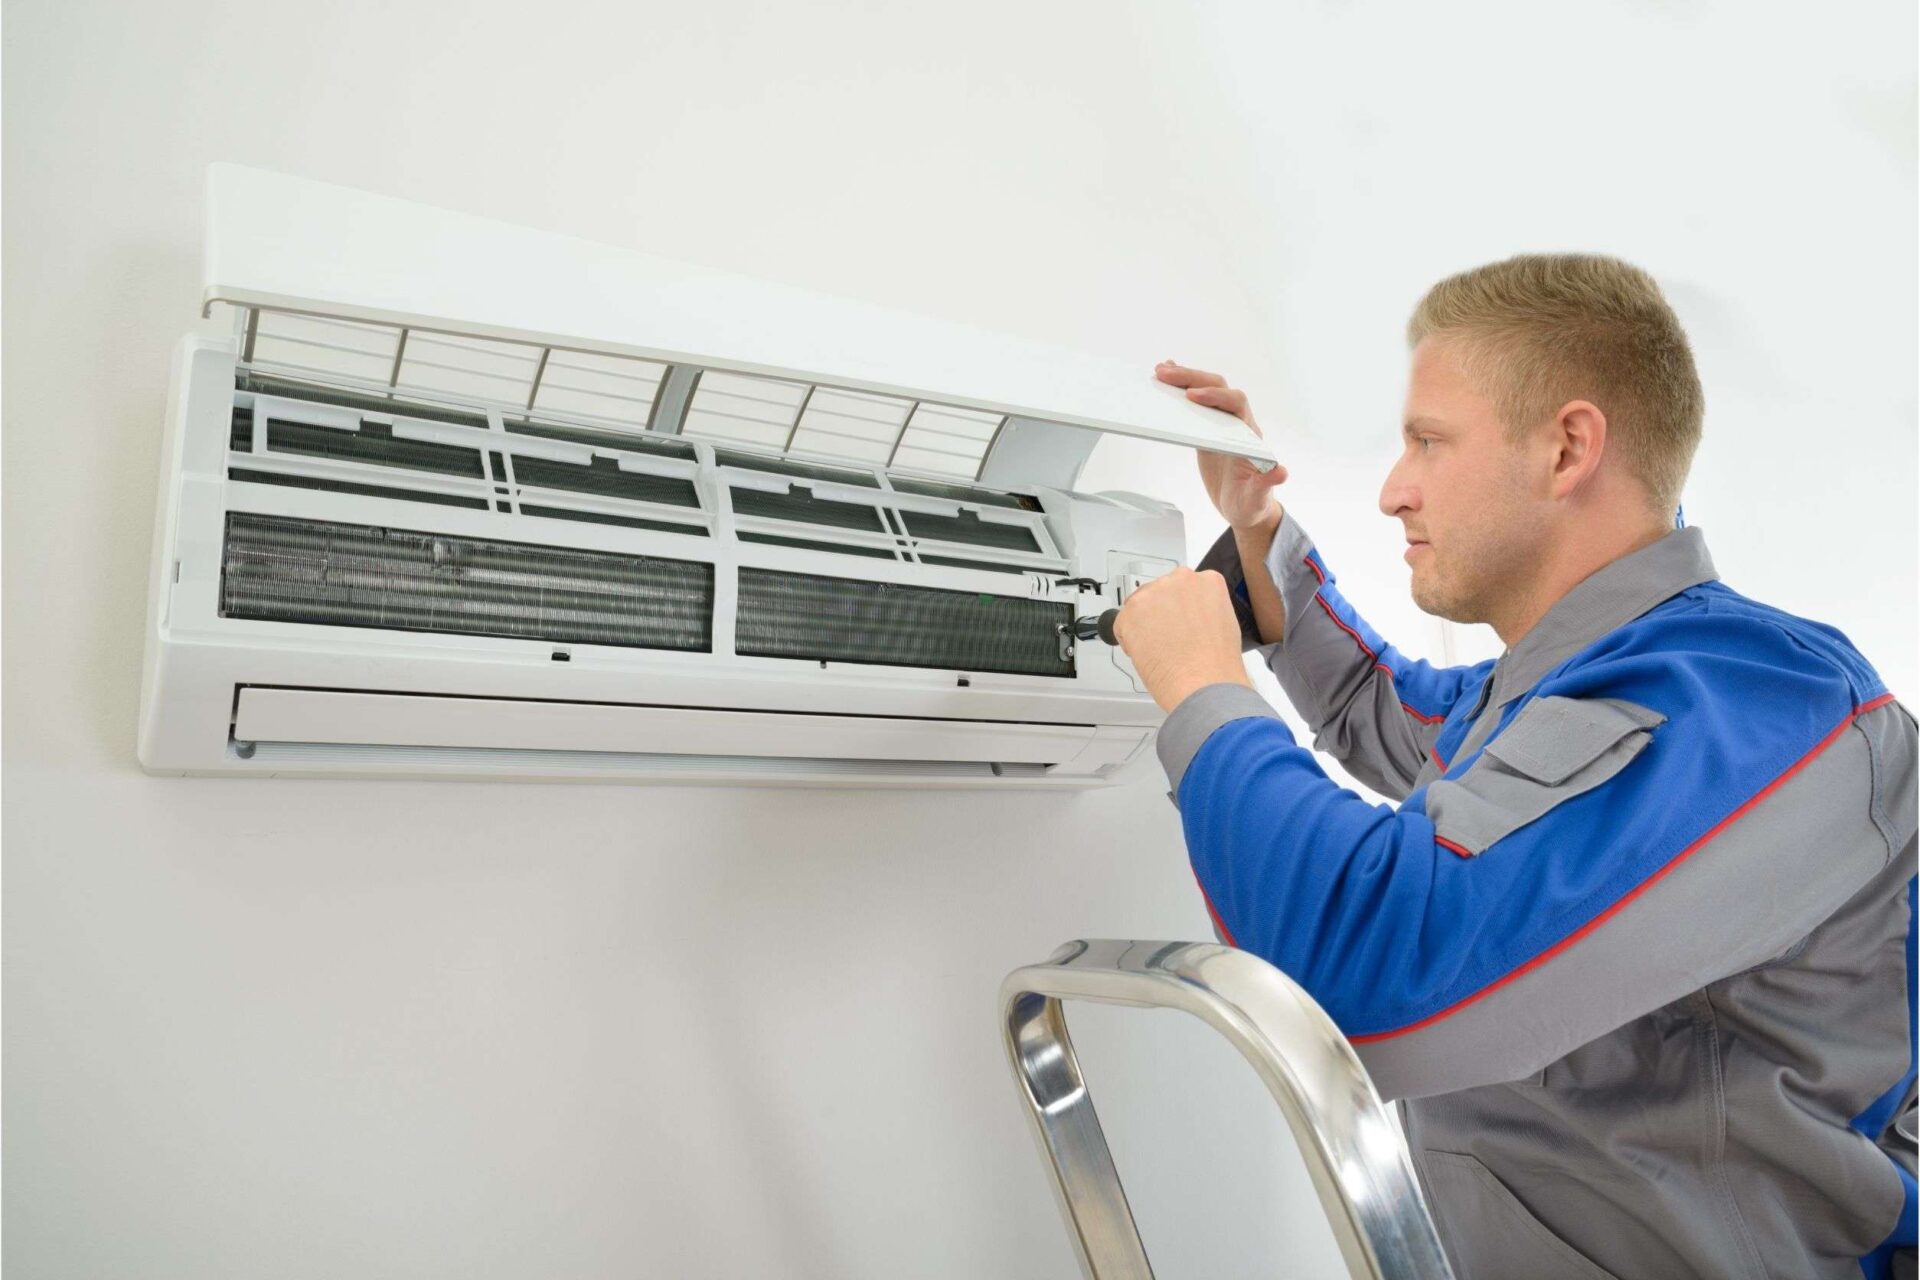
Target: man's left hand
(1182, 635)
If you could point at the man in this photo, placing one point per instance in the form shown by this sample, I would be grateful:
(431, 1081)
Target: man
(1636, 947)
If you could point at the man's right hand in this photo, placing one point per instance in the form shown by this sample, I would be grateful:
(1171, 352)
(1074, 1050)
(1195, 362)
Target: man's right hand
(1241, 492)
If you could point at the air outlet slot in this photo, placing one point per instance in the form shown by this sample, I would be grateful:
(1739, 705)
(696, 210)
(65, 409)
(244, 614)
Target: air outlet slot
(311, 571)
(970, 528)
(797, 615)
(801, 506)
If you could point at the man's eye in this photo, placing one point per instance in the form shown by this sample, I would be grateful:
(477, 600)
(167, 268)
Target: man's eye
(1425, 443)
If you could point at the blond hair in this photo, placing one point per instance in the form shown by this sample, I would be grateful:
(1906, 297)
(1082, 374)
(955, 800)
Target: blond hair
(1540, 330)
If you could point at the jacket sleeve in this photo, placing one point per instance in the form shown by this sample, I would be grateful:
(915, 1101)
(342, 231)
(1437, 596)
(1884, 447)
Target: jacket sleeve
(1638, 828)
(1369, 706)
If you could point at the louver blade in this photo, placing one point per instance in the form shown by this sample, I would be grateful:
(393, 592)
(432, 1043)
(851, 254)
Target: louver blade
(286, 570)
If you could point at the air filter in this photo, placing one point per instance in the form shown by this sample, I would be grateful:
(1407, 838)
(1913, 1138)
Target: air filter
(285, 570)
(799, 615)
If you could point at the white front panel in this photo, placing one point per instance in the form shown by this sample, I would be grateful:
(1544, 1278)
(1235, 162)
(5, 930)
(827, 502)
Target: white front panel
(315, 715)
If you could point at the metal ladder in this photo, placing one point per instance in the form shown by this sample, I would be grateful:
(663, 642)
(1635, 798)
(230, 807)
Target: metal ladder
(1353, 1151)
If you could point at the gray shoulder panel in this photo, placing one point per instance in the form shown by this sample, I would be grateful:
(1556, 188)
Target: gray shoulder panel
(1555, 749)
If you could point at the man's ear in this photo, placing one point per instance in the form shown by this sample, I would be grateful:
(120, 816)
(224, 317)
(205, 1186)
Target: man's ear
(1579, 436)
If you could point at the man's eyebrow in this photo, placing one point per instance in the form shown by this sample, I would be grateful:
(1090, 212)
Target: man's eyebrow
(1415, 424)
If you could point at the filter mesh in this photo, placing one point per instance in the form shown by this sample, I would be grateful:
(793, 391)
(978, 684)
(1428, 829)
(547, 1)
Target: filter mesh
(798, 615)
(604, 477)
(285, 570)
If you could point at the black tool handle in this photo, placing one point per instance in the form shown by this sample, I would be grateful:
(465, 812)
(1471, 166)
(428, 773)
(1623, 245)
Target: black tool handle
(1100, 628)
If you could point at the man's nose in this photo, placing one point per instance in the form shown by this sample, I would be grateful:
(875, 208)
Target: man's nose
(1397, 496)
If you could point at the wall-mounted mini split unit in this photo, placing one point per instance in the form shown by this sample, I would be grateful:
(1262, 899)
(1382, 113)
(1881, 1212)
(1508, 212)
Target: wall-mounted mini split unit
(457, 498)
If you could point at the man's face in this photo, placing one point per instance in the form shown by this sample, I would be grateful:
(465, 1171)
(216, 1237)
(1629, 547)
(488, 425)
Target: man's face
(1464, 492)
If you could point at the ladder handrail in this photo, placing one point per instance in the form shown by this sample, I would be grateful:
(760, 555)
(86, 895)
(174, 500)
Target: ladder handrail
(1353, 1151)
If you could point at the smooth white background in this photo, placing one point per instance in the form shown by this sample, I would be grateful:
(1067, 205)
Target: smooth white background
(326, 1029)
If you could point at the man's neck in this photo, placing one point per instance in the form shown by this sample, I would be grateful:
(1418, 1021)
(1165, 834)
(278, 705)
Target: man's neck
(1576, 562)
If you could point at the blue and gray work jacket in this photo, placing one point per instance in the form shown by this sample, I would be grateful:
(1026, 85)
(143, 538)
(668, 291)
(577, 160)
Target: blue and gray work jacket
(1636, 949)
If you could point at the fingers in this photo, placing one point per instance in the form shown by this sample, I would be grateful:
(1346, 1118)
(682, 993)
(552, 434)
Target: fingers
(1226, 399)
(1273, 479)
(1179, 375)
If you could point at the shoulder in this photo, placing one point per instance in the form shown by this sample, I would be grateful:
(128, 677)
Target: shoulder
(1712, 652)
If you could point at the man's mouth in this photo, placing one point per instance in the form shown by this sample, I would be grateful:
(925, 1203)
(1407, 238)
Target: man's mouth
(1415, 545)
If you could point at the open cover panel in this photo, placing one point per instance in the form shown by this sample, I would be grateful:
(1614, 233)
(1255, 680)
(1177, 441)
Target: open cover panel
(386, 293)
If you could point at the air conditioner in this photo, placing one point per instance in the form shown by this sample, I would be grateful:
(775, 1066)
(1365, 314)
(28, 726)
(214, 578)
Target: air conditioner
(457, 498)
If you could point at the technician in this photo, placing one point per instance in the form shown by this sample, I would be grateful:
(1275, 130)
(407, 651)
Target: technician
(1636, 948)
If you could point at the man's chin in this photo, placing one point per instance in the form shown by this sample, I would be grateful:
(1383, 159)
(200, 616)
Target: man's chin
(1431, 599)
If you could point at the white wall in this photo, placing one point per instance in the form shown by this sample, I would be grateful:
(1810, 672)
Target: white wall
(320, 1029)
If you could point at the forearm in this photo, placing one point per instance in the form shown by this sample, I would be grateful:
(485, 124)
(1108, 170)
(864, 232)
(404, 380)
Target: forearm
(1269, 610)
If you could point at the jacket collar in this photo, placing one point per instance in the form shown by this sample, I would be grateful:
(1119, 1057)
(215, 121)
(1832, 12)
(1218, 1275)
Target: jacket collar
(1611, 597)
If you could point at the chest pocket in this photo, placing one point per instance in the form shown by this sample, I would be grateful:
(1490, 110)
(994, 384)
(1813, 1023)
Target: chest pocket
(1555, 749)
